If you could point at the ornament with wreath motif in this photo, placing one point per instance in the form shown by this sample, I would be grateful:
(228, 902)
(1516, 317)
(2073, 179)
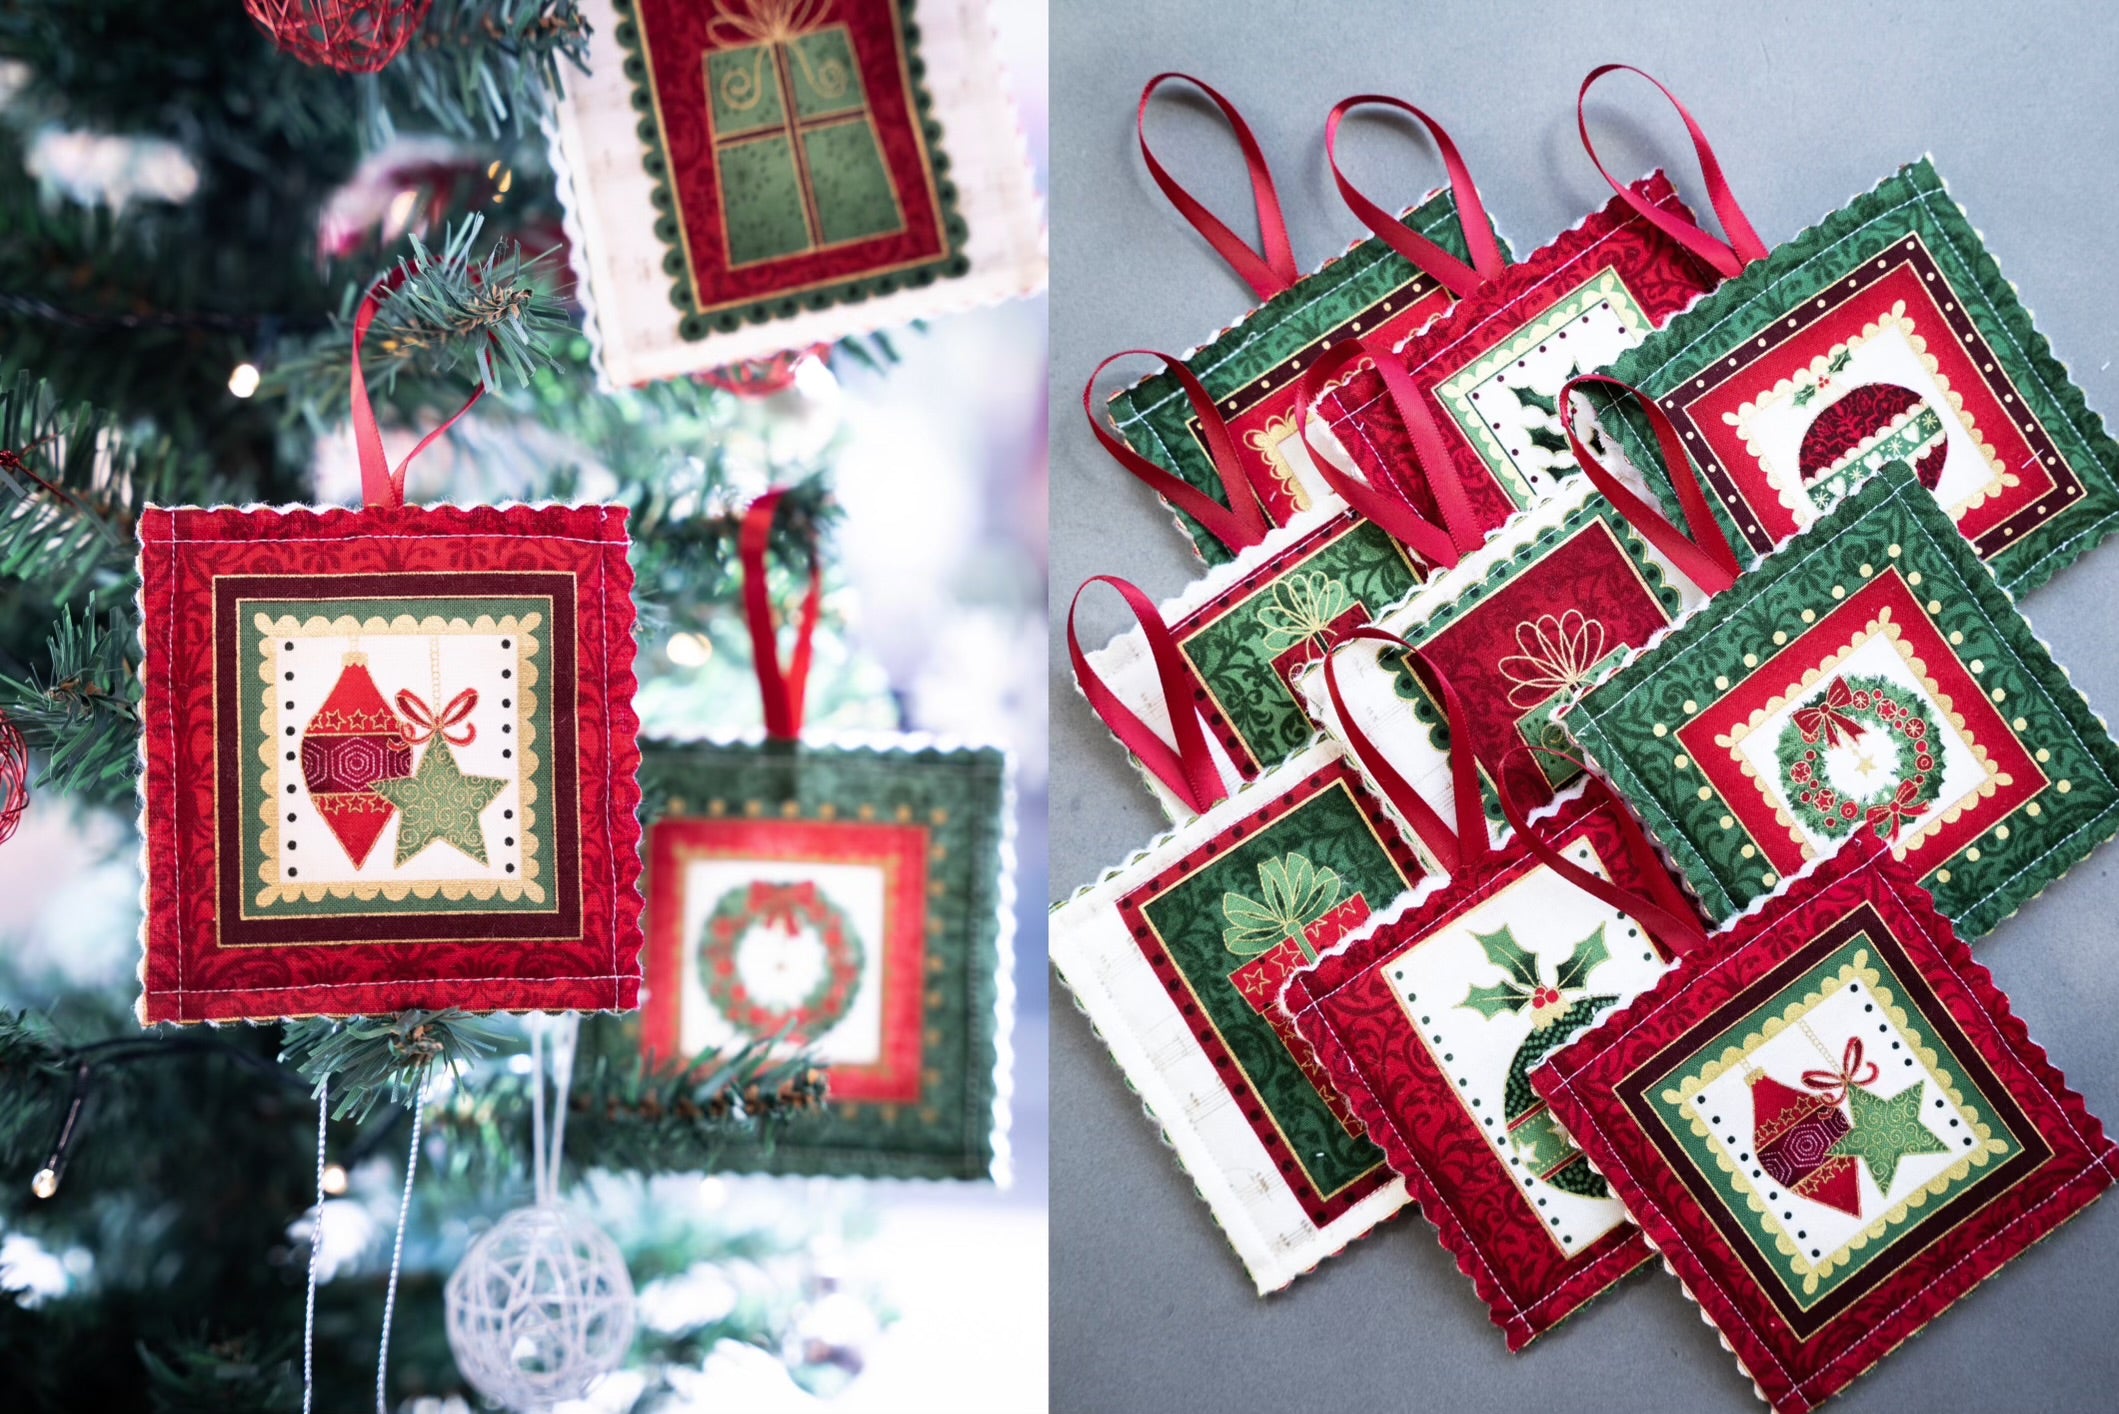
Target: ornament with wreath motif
(843, 898)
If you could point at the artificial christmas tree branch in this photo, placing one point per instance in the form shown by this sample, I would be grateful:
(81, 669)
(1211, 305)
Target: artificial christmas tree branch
(489, 65)
(80, 714)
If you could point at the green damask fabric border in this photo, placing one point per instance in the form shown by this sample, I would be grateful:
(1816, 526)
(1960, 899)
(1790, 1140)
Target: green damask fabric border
(1614, 721)
(1153, 414)
(1912, 200)
(695, 324)
(970, 784)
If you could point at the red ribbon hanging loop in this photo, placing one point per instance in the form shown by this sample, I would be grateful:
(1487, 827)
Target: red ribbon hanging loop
(1669, 918)
(1453, 274)
(1727, 258)
(1705, 557)
(782, 688)
(1184, 764)
(1464, 848)
(1388, 506)
(1238, 525)
(421, 724)
(381, 486)
(1267, 272)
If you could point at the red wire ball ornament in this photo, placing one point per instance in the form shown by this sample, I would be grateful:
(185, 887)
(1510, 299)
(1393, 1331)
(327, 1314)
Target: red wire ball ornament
(14, 778)
(352, 36)
(762, 377)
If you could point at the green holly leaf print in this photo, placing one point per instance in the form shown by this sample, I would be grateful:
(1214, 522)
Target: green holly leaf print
(1494, 1001)
(1303, 607)
(1532, 398)
(1504, 952)
(1296, 894)
(1546, 439)
(1587, 956)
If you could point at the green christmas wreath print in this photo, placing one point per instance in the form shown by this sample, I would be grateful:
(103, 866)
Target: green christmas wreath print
(793, 909)
(1860, 750)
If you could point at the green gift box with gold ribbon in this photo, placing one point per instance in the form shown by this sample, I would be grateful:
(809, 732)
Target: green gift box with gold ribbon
(796, 153)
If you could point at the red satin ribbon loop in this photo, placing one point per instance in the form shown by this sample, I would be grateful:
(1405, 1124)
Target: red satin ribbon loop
(421, 724)
(1267, 271)
(1704, 557)
(1388, 506)
(1453, 274)
(783, 688)
(380, 486)
(1668, 918)
(1433, 454)
(1833, 1085)
(1187, 767)
(1238, 525)
(1728, 258)
(1464, 848)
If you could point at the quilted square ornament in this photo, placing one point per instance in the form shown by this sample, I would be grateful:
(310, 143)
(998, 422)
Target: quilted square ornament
(1429, 1019)
(1380, 290)
(389, 761)
(1549, 604)
(1486, 375)
(1886, 332)
(1830, 1124)
(853, 901)
(747, 176)
(1869, 677)
(1177, 957)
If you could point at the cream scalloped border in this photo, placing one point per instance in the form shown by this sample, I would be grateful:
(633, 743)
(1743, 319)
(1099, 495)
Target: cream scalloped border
(1455, 393)
(454, 890)
(1796, 500)
(1992, 779)
(1688, 1089)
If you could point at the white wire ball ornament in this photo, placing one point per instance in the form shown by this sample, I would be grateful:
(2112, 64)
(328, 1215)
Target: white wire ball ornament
(539, 1307)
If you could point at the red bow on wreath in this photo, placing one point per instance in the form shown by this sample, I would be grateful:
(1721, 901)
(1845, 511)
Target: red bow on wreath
(1895, 812)
(1833, 1086)
(784, 904)
(1829, 718)
(425, 725)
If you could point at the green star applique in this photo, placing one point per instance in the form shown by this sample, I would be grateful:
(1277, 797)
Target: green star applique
(1886, 1131)
(439, 802)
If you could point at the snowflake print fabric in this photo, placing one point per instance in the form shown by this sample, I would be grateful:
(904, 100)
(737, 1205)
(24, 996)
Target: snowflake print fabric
(1830, 1124)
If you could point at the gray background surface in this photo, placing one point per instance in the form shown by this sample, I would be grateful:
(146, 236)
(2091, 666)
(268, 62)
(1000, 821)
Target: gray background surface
(1806, 105)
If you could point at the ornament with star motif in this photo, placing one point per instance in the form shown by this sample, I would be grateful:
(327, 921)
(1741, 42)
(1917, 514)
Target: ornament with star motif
(438, 802)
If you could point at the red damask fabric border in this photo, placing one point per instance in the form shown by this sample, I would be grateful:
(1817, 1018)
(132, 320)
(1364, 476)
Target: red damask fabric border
(1345, 1008)
(1588, 1084)
(187, 975)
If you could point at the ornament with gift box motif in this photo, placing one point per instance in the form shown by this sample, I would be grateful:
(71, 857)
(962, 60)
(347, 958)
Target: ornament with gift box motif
(1829, 1123)
(848, 900)
(806, 170)
(389, 756)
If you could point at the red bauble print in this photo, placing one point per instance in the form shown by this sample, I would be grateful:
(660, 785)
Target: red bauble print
(352, 742)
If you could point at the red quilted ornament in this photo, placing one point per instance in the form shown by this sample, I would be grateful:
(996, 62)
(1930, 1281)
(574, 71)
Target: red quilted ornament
(354, 741)
(352, 36)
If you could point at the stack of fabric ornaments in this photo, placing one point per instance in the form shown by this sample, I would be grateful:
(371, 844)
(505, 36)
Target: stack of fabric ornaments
(1604, 730)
